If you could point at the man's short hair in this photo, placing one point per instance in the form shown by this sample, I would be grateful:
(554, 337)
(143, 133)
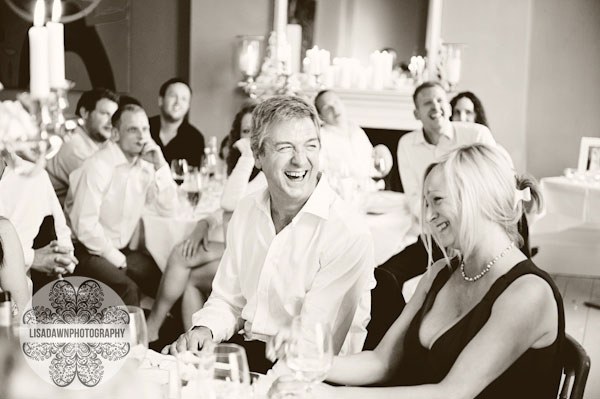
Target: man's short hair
(278, 109)
(116, 118)
(318, 97)
(426, 85)
(172, 81)
(89, 99)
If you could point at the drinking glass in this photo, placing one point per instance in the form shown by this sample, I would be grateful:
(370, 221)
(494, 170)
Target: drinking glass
(309, 352)
(232, 376)
(192, 186)
(179, 168)
(138, 333)
(196, 370)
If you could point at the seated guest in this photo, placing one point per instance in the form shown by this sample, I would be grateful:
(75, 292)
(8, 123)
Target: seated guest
(292, 248)
(177, 138)
(243, 178)
(107, 203)
(95, 107)
(346, 151)
(26, 201)
(484, 322)
(12, 266)
(466, 107)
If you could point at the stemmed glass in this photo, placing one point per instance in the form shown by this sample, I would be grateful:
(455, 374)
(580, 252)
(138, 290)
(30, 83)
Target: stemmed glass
(232, 375)
(138, 333)
(179, 167)
(309, 351)
(192, 186)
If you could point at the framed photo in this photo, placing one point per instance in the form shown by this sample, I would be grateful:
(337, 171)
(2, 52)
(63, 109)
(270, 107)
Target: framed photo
(589, 155)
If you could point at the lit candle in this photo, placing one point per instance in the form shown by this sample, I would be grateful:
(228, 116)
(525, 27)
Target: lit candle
(56, 47)
(38, 53)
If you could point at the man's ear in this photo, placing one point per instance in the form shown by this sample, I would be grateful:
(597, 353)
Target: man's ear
(416, 114)
(257, 162)
(115, 136)
(160, 101)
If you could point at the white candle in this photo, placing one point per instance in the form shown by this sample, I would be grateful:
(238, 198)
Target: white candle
(324, 60)
(56, 47)
(280, 17)
(294, 38)
(38, 54)
(315, 62)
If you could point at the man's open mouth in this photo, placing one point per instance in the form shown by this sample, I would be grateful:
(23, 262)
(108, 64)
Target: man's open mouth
(296, 175)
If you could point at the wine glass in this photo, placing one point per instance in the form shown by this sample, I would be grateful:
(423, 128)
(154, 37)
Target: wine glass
(138, 333)
(179, 168)
(195, 369)
(309, 351)
(192, 185)
(232, 375)
(382, 161)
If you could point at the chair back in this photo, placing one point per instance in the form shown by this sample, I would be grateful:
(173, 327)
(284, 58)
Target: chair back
(576, 367)
(387, 303)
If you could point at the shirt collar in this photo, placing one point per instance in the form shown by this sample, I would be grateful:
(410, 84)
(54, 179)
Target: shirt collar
(449, 134)
(318, 203)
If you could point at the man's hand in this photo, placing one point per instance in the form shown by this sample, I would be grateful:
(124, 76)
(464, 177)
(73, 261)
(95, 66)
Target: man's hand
(53, 259)
(243, 146)
(198, 338)
(152, 153)
(196, 241)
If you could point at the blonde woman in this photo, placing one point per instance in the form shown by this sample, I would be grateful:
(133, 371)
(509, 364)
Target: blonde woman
(484, 322)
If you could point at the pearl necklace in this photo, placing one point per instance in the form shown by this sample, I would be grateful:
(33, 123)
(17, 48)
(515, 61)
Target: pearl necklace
(486, 268)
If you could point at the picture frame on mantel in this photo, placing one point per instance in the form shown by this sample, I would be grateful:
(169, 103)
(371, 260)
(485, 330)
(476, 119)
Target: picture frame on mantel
(589, 155)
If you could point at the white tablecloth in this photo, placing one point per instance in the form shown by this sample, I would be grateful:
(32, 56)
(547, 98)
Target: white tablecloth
(569, 203)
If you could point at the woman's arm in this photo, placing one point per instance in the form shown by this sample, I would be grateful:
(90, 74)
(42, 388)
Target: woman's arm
(370, 367)
(12, 270)
(524, 316)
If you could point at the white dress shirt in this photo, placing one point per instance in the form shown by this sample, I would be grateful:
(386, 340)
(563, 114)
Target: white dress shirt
(71, 156)
(107, 196)
(26, 201)
(346, 153)
(321, 265)
(415, 154)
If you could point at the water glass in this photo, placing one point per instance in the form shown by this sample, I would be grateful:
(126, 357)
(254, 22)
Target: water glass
(192, 187)
(138, 333)
(232, 376)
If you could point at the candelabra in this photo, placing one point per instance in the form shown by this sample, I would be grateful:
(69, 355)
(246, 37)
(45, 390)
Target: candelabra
(33, 129)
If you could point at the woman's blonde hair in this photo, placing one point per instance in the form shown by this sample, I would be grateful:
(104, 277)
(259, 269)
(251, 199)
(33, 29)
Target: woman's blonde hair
(480, 182)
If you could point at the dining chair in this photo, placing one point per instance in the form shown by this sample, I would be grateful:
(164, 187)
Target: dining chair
(387, 302)
(576, 366)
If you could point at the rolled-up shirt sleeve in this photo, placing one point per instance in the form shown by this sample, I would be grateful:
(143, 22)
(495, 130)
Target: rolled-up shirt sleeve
(341, 284)
(162, 194)
(85, 213)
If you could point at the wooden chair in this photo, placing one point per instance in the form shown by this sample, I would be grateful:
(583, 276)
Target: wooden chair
(576, 366)
(387, 303)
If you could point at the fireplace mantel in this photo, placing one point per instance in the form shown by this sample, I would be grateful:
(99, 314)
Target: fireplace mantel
(380, 109)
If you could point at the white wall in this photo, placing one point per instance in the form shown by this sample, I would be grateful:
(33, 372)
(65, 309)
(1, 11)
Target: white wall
(495, 63)
(564, 83)
(213, 77)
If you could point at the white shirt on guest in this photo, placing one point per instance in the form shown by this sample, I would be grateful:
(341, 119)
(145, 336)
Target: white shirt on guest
(26, 201)
(346, 152)
(71, 156)
(107, 197)
(415, 154)
(321, 264)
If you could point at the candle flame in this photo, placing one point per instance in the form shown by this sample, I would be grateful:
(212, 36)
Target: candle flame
(39, 13)
(56, 10)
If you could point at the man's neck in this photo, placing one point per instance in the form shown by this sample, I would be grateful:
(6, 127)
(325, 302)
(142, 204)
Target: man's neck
(433, 136)
(169, 126)
(283, 215)
(98, 138)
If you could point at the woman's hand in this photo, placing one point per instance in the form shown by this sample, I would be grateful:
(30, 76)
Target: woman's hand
(243, 146)
(196, 241)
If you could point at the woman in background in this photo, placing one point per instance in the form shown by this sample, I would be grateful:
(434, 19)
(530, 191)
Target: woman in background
(466, 107)
(484, 322)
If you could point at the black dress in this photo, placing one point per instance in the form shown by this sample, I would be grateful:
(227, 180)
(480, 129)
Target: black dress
(536, 374)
